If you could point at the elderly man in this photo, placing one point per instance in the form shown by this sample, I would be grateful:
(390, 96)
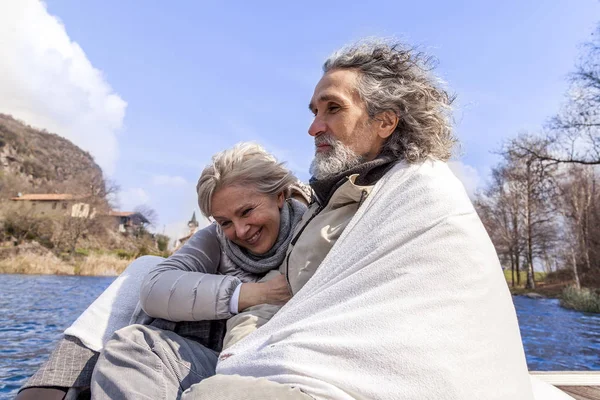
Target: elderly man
(398, 293)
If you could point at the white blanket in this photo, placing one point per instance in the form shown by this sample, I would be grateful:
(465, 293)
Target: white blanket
(115, 308)
(410, 303)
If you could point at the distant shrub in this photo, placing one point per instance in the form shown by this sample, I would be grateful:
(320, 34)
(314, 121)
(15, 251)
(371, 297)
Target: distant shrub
(82, 252)
(24, 227)
(162, 242)
(164, 254)
(45, 241)
(142, 250)
(561, 275)
(124, 254)
(583, 299)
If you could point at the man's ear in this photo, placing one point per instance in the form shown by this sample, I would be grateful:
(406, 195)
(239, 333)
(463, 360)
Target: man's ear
(387, 122)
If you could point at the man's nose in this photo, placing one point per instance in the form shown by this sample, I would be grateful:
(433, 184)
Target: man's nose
(317, 127)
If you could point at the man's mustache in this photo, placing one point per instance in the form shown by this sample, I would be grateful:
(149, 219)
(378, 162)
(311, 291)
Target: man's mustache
(325, 139)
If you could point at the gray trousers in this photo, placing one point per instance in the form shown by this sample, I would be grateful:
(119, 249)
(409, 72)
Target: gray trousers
(144, 362)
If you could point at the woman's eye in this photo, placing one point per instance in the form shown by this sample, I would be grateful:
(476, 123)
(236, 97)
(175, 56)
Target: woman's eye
(225, 224)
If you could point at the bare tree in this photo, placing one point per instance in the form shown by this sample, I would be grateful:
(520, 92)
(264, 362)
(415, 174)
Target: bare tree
(70, 230)
(111, 192)
(580, 198)
(24, 224)
(148, 213)
(542, 203)
(534, 180)
(574, 135)
(499, 209)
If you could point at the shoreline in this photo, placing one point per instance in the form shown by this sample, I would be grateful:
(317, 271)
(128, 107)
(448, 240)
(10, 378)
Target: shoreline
(49, 264)
(582, 300)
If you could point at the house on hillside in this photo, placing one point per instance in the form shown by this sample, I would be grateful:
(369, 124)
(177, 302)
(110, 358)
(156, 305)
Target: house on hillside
(56, 204)
(77, 207)
(127, 221)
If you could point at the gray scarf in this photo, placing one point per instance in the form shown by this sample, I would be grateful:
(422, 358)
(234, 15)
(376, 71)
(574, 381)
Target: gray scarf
(291, 214)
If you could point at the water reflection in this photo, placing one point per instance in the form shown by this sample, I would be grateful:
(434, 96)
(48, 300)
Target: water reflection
(34, 310)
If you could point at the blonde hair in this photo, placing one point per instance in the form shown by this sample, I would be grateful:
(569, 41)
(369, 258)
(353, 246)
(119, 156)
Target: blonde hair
(245, 164)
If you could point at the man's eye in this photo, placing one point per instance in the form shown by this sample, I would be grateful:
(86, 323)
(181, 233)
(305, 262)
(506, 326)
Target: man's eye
(333, 109)
(246, 212)
(225, 224)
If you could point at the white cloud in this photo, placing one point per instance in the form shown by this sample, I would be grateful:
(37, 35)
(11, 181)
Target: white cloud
(168, 180)
(468, 176)
(47, 81)
(133, 197)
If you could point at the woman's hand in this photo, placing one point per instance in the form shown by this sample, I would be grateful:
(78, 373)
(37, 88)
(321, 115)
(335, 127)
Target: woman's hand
(274, 291)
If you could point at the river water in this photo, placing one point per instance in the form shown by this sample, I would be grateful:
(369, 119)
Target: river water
(34, 310)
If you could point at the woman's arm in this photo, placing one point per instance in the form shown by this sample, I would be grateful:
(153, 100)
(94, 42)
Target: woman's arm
(186, 286)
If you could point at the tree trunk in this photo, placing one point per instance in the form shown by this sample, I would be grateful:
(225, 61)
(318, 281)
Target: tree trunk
(518, 268)
(575, 274)
(530, 276)
(530, 273)
(512, 268)
(515, 248)
(585, 236)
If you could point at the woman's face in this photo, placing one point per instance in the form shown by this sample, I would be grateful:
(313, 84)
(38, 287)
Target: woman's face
(248, 218)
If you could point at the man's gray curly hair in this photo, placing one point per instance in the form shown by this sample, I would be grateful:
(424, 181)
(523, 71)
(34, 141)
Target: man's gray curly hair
(397, 78)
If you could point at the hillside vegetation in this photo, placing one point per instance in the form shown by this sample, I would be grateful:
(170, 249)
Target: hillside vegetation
(34, 161)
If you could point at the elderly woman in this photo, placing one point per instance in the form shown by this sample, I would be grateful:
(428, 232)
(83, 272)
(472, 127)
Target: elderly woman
(227, 267)
(251, 198)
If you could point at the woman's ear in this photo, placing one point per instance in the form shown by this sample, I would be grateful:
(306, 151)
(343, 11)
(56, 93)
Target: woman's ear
(387, 122)
(280, 200)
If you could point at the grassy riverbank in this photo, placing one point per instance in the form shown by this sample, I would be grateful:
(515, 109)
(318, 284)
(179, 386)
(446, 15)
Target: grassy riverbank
(560, 285)
(95, 264)
(94, 258)
(543, 288)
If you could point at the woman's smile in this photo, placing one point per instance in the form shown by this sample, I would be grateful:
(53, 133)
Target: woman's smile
(254, 238)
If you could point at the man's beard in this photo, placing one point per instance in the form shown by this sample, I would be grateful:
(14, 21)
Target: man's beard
(338, 159)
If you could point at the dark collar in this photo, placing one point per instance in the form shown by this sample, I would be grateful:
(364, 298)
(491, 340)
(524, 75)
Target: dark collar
(369, 173)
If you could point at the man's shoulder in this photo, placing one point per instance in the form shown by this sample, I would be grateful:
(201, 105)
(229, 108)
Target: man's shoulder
(428, 169)
(422, 182)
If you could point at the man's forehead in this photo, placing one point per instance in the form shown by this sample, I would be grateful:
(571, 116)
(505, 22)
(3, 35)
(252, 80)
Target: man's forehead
(335, 85)
(330, 95)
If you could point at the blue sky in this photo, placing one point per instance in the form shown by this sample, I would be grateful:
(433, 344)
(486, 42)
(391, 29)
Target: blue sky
(179, 81)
